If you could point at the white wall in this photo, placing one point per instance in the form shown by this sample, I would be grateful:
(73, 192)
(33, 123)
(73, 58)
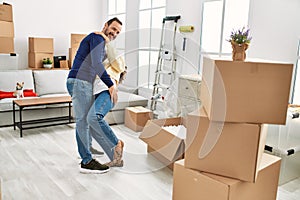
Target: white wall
(275, 27)
(190, 12)
(56, 19)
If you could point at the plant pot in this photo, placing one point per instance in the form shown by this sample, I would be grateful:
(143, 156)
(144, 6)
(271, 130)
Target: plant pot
(239, 51)
(48, 66)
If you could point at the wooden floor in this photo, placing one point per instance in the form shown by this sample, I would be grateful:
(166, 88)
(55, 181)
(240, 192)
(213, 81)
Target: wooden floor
(44, 164)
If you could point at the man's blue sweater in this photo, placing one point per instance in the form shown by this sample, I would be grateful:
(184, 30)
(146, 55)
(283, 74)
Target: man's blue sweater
(88, 60)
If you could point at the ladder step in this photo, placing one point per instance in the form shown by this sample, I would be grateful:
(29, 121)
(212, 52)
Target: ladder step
(163, 86)
(165, 72)
(171, 18)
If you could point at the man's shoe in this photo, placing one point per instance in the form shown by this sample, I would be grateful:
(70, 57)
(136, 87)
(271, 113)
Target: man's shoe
(93, 167)
(96, 152)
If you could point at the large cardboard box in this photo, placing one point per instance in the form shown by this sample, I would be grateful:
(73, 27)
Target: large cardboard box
(7, 29)
(191, 184)
(76, 39)
(227, 149)
(164, 144)
(41, 45)
(6, 12)
(7, 45)
(251, 91)
(137, 117)
(35, 59)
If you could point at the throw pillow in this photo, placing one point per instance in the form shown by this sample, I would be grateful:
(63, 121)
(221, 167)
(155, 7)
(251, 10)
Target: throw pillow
(27, 93)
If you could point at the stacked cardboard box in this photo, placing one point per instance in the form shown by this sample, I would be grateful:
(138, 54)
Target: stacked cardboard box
(75, 42)
(226, 138)
(6, 29)
(39, 49)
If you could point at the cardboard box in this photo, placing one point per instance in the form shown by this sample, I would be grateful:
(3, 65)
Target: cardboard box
(191, 184)
(7, 45)
(72, 53)
(250, 91)
(165, 161)
(35, 59)
(41, 45)
(7, 29)
(137, 117)
(76, 39)
(6, 13)
(64, 64)
(227, 149)
(164, 145)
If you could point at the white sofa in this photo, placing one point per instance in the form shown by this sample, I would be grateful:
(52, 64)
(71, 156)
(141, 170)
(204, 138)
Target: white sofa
(48, 83)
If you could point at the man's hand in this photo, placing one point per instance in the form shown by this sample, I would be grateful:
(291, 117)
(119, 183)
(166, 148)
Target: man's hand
(113, 94)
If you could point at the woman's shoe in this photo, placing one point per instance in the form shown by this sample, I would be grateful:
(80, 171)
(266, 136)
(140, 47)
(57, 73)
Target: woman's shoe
(118, 154)
(115, 163)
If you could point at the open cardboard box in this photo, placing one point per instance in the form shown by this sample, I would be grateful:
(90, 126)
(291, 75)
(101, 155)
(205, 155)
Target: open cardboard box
(163, 144)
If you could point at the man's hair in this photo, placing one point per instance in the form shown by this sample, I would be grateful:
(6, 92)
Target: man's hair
(112, 20)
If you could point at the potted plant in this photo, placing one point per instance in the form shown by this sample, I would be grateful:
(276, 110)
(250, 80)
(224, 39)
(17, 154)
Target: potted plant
(47, 63)
(240, 40)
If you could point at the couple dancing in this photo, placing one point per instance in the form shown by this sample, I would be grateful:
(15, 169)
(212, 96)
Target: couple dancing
(92, 83)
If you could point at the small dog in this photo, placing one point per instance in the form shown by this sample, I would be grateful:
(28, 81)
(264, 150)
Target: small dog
(19, 93)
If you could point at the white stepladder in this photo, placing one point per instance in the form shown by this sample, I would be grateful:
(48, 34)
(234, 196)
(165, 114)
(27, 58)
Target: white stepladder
(284, 141)
(165, 73)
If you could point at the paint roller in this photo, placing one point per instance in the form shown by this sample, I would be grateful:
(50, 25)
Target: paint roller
(185, 29)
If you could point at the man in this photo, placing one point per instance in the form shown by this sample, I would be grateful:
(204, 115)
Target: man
(87, 64)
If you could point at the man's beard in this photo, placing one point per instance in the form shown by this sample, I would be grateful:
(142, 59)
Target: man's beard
(109, 35)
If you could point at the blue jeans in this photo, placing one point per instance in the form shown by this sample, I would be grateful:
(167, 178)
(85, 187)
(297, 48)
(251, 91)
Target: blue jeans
(99, 128)
(82, 99)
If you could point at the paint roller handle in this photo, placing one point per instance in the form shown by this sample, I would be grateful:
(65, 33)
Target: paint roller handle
(171, 18)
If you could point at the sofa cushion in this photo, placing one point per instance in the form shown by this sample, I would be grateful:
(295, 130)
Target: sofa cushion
(50, 81)
(9, 79)
(126, 99)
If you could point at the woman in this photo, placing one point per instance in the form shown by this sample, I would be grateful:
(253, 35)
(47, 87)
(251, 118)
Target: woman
(99, 128)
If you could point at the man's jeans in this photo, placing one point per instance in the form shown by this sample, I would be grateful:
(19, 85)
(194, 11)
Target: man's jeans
(99, 128)
(82, 99)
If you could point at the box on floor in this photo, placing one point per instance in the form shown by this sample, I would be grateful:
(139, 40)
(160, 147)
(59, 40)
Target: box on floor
(228, 149)
(191, 184)
(137, 117)
(164, 144)
(251, 91)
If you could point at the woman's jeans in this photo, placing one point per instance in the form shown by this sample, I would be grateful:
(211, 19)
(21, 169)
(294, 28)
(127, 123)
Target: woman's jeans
(82, 99)
(99, 128)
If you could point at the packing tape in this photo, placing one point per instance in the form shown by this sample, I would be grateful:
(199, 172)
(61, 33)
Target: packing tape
(185, 29)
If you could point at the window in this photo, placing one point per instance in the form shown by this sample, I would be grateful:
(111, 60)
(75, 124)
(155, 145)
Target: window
(117, 8)
(151, 14)
(219, 18)
(296, 85)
